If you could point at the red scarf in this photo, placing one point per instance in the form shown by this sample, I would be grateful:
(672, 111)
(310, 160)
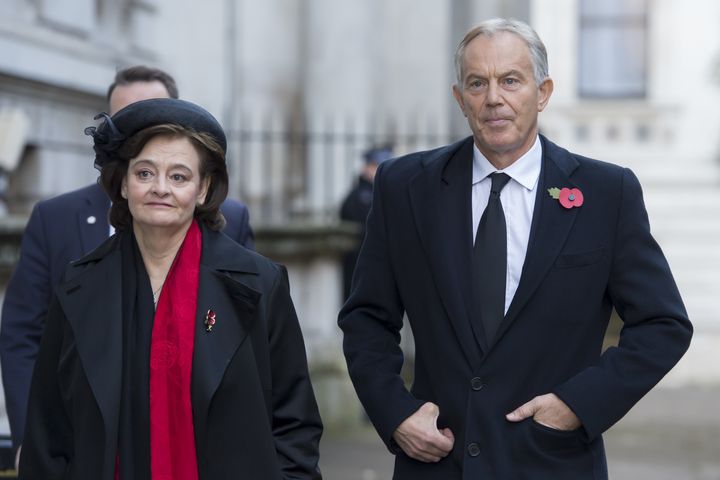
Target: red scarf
(172, 437)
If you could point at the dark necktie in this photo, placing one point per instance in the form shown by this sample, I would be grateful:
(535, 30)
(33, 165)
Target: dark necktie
(490, 261)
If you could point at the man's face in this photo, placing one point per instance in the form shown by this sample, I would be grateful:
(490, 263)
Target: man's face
(124, 95)
(499, 96)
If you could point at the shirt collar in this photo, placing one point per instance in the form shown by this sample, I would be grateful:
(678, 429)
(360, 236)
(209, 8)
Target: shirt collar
(525, 170)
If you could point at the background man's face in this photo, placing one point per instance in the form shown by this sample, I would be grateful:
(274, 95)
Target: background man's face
(124, 95)
(499, 96)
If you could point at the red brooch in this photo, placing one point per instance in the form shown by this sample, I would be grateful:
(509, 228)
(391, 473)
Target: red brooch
(209, 320)
(568, 197)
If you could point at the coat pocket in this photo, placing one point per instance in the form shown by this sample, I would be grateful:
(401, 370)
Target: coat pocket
(557, 441)
(542, 452)
(581, 259)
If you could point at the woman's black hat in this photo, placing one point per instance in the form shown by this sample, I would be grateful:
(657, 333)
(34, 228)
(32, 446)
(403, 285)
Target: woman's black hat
(110, 135)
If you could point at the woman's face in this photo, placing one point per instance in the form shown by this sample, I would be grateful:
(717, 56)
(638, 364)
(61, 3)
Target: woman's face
(163, 184)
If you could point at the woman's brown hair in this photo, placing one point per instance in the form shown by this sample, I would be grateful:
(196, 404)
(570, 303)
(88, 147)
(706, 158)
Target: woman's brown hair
(212, 168)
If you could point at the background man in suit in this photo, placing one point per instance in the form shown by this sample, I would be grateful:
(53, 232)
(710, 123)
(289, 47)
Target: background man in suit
(356, 206)
(508, 254)
(65, 228)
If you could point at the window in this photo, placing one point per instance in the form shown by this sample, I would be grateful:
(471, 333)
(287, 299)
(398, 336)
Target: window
(77, 16)
(613, 48)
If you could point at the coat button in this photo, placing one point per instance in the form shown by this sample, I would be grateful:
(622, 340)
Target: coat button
(476, 383)
(473, 449)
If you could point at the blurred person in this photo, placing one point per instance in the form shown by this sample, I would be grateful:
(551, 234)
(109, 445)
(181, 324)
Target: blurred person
(508, 254)
(170, 351)
(356, 206)
(62, 229)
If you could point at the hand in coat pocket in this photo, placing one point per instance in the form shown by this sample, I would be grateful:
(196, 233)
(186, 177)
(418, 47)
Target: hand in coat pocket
(547, 410)
(419, 437)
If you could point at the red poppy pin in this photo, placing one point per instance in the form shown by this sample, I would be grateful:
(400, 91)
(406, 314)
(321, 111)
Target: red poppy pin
(209, 320)
(568, 197)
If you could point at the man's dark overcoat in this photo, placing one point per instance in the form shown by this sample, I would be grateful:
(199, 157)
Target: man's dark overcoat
(580, 263)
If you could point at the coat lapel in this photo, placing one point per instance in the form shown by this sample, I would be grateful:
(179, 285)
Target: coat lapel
(92, 219)
(96, 293)
(441, 196)
(550, 227)
(234, 305)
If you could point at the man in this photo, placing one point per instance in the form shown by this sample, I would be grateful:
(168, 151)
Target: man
(356, 206)
(508, 254)
(62, 229)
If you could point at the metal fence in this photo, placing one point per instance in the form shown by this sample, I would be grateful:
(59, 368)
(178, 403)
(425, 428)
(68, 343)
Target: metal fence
(286, 170)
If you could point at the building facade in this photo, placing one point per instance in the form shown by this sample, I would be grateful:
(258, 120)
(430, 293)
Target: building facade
(637, 83)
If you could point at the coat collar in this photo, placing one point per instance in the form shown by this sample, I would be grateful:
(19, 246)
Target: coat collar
(441, 202)
(551, 225)
(440, 196)
(234, 304)
(91, 300)
(220, 252)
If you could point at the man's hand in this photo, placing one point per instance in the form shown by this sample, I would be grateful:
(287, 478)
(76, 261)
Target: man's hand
(419, 437)
(547, 410)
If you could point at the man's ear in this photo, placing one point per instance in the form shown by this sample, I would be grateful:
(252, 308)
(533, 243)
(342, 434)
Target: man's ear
(544, 92)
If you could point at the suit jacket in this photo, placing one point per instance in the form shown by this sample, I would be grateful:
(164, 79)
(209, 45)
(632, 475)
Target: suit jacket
(59, 230)
(254, 409)
(580, 263)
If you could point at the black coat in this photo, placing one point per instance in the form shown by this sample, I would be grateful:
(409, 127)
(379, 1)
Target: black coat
(59, 230)
(580, 263)
(355, 208)
(254, 410)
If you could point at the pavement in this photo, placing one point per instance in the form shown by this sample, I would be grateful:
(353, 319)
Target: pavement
(671, 434)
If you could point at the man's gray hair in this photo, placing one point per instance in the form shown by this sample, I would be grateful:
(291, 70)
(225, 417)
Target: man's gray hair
(538, 54)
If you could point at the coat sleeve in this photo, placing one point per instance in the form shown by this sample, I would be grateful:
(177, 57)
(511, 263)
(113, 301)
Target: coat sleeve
(371, 321)
(296, 421)
(656, 331)
(23, 314)
(47, 447)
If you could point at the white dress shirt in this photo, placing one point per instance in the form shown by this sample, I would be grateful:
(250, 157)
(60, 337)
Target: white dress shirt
(518, 201)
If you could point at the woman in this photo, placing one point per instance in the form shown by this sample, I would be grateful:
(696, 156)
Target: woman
(170, 352)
